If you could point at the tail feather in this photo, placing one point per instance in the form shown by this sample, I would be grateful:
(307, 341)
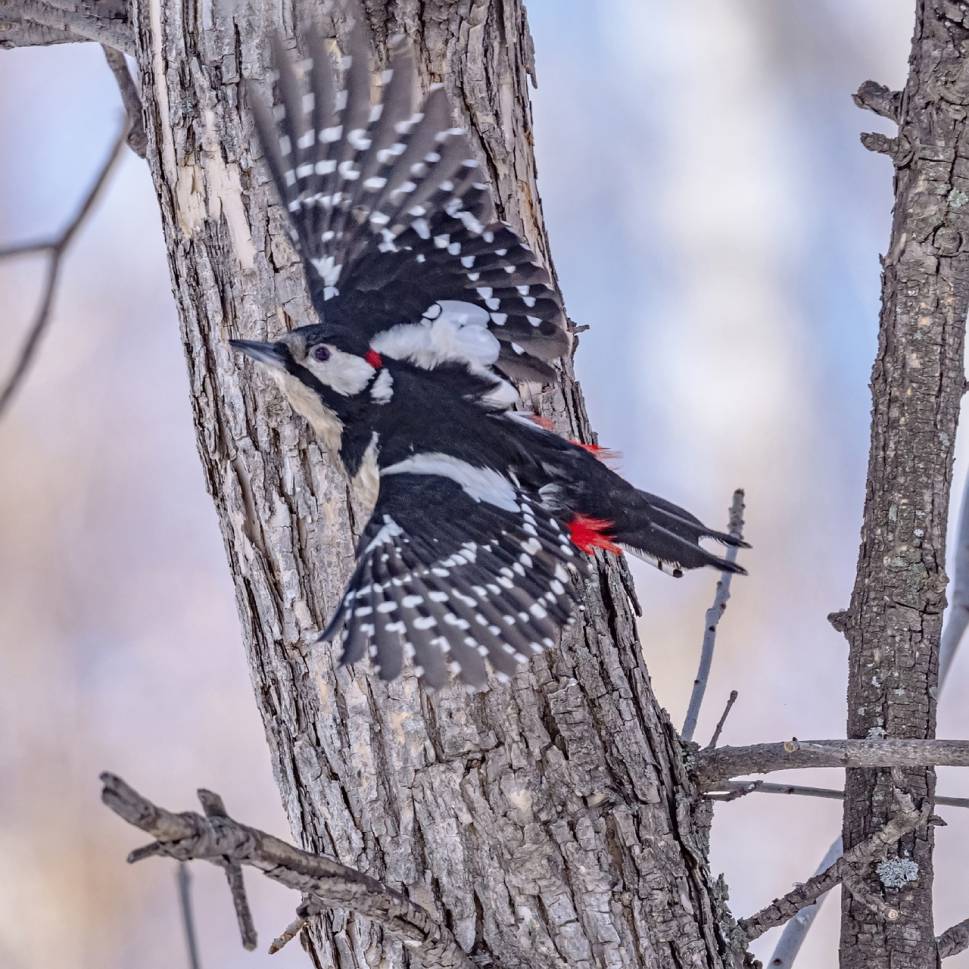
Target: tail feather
(669, 537)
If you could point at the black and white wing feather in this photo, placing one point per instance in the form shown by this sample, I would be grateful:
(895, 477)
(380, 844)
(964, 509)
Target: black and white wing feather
(394, 220)
(446, 577)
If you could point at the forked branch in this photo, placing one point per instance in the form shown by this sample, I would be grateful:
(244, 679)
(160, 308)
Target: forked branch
(906, 819)
(55, 249)
(322, 882)
(712, 620)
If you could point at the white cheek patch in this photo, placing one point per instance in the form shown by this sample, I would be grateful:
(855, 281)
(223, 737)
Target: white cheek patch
(345, 373)
(306, 403)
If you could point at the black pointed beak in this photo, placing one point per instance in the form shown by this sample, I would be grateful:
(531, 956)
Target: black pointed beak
(268, 354)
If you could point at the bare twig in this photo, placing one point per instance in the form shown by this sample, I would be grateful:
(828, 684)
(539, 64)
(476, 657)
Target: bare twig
(137, 139)
(716, 766)
(731, 700)
(219, 839)
(215, 808)
(307, 909)
(712, 618)
(76, 22)
(741, 788)
(184, 879)
(287, 935)
(55, 248)
(906, 819)
(954, 940)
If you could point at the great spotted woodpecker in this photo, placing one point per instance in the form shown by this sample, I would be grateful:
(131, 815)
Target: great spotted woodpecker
(428, 309)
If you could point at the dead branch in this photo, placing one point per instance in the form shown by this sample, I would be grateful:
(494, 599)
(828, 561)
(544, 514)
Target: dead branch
(56, 249)
(221, 840)
(732, 790)
(130, 98)
(712, 619)
(81, 22)
(716, 766)
(906, 819)
(954, 940)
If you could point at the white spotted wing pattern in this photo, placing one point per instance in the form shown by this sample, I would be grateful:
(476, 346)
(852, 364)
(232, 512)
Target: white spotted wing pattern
(457, 569)
(392, 213)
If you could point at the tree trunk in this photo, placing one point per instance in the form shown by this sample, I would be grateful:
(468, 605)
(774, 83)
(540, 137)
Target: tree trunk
(894, 621)
(550, 822)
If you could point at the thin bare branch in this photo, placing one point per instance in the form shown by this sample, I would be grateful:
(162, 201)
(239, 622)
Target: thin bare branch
(77, 22)
(56, 248)
(712, 619)
(137, 139)
(906, 819)
(307, 909)
(954, 940)
(184, 879)
(219, 839)
(741, 788)
(716, 766)
(731, 700)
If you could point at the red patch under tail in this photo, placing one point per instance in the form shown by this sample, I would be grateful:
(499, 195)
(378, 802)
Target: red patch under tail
(374, 359)
(588, 534)
(598, 451)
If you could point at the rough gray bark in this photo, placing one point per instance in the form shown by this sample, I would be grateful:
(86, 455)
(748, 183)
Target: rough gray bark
(548, 823)
(894, 621)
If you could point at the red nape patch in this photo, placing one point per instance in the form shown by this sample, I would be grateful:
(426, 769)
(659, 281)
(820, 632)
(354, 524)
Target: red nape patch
(541, 421)
(374, 359)
(598, 451)
(588, 534)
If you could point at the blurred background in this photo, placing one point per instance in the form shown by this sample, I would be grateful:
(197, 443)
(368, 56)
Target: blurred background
(716, 223)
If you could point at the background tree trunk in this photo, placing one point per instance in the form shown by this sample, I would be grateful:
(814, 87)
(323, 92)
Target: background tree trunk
(550, 822)
(894, 622)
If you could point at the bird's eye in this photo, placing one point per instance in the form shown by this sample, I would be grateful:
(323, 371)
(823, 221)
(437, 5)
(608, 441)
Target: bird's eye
(321, 353)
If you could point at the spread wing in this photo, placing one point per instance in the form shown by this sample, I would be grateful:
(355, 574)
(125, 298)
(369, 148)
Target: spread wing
(453, 573)
(392, 214)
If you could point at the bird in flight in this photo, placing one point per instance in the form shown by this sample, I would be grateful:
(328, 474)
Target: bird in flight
(429, 309)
